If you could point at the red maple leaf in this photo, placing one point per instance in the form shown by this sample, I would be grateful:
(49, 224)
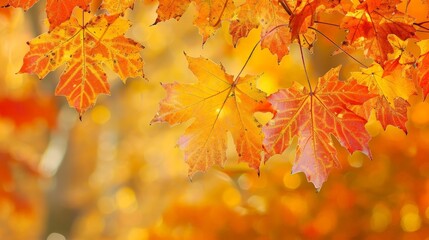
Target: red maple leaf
(315, 116)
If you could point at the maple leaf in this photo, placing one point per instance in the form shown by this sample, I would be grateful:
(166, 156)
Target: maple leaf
(371, 23)
(394, 114)
(171, 9)
(282, 22)
(60, 11)
(306, 12)
(423, 67)
(401, 59)
(57, 11)
(400, 50)
(218, 104)
(393, 92)
(273, 19)
(116, 7)
(210, 15)
(390, 107)
(303, 17)
(24, 4)
(85, 48)
(391, 86)
(315, 117)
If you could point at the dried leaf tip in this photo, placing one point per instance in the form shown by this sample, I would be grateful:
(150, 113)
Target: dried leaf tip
(155, 119)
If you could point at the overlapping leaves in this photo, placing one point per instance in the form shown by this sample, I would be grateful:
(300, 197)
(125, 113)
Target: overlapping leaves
(57, 11)
(315, 117)
(371, 23)
(61, 11)
(210, 15)
(218, 103)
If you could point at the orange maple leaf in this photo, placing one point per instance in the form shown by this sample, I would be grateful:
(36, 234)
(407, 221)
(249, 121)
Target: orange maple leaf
(282, 22)
(60, 11)
(219, 104)
(307, 12)
(388, 114)
(314, 117)
(393, 91)
(210, 15)
(392, 85)
(270, 15)
(25, 4)
(57, 11)
(303, 17)
(394, 114)
(85, 48)
(423, 67)
(371, 23)
(117, 6)
(171, 9)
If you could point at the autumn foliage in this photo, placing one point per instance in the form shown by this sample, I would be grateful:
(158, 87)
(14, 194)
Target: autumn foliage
(378, 27)
(316, 119)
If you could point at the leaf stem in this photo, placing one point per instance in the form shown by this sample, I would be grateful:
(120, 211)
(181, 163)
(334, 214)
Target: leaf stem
(304, 66)
(286, 7)
(247, 61)
(84, 60)
(339, 47)
(220, 15)
(420, 25)
(327, 23)
(253, 50)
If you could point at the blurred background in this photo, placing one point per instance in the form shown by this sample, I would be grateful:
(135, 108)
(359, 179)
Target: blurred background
(114, 176)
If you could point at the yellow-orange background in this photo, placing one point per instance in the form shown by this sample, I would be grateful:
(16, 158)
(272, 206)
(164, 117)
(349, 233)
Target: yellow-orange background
(113, 176)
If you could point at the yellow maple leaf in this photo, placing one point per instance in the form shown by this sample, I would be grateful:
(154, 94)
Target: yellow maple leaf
(117, 7)
(391, 86)
(218, 104)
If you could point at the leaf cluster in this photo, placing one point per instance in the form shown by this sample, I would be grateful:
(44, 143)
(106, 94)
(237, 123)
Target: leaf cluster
(87, 38)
